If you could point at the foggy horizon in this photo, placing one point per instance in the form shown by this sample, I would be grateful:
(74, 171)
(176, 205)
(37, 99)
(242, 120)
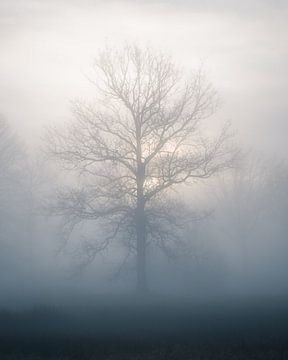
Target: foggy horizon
(47, 63)
(143, 179)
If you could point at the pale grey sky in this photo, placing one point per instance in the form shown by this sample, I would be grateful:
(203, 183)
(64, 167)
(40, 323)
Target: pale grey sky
(47, 47)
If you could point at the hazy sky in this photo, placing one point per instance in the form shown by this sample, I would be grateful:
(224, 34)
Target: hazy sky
(47, 47)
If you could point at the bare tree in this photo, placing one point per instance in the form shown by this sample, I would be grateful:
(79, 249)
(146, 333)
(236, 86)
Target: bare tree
(141, 139)
(242, 206)
(10, 152)
(11, 157)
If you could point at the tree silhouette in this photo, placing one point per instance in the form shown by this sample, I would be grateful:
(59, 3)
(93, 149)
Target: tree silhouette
(142, 138)
(12, 157)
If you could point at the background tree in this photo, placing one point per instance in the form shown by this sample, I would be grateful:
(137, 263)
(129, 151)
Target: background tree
(11, 154)
(241, 207)
(141, 139)
(15, 214)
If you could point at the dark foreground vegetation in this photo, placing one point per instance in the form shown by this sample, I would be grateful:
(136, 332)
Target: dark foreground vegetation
(150, 329)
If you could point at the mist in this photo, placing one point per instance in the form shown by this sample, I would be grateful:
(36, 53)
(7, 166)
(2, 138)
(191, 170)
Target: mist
(143, 167)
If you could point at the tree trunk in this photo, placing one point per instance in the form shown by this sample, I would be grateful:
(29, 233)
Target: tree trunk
(142, 287)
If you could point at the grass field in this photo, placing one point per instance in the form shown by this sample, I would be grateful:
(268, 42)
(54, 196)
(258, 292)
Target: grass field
(176, 354)
(155, 329)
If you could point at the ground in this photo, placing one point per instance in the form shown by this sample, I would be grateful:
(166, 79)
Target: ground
(254, 328)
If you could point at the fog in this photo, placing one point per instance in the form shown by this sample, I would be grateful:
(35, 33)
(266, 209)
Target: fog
(47, 55)
(223, 236)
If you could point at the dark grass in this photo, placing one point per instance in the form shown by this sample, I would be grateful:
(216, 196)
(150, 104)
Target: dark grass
(151, 329)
